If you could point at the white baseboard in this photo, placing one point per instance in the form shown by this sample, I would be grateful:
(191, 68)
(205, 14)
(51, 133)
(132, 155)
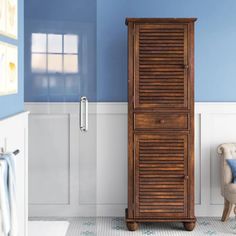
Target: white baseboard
(214, 124)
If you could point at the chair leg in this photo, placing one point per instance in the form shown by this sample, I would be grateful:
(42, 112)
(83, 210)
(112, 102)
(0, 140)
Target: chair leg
(227, 209)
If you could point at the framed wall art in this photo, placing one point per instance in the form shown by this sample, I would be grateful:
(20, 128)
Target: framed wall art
(9, 18)
(8, 69)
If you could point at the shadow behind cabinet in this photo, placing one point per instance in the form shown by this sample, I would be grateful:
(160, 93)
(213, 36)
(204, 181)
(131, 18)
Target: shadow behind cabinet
(161, 121)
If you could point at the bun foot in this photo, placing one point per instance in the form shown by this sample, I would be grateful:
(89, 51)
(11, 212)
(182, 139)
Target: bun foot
(189, 226)
(132, 226)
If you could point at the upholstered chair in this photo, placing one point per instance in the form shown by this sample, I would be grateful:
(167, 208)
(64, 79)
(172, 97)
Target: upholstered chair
(228, 189)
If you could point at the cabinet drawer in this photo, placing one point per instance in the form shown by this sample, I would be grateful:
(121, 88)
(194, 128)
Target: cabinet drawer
(160, 121)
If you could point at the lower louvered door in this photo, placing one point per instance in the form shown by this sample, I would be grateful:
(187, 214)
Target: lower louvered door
(161, 179)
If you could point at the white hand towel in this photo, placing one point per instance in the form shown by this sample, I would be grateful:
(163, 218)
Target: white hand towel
(4, 198)
(8, 195)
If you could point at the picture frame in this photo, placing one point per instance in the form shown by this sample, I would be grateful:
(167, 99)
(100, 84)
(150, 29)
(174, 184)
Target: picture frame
(8, 69)
(9, 18)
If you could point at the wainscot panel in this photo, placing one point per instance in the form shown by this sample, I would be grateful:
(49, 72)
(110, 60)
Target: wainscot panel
(214, 124)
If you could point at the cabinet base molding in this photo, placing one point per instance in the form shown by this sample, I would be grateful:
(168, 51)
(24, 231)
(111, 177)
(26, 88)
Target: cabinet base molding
(133, 223)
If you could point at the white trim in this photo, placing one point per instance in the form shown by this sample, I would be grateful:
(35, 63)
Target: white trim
(215, 107)
(111, 126)
(9, 118)
(122, 107)
(94, 108)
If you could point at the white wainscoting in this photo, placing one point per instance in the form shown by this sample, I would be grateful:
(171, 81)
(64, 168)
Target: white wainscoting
(14, 135)
(215, 123)
(87, 174)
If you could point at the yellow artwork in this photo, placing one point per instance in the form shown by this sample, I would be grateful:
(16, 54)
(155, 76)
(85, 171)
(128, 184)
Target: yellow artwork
(2, 68)
(8, 69)
(12, 72)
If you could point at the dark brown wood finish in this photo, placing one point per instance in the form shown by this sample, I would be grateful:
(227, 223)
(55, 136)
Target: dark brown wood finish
(144, 121)
(161, 66)
(161, 121)
(160, 175)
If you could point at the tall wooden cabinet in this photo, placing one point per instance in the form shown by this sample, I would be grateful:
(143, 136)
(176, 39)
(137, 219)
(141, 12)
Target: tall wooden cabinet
(161, 121)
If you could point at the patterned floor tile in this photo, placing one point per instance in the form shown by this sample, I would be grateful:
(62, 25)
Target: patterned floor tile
(103, 226)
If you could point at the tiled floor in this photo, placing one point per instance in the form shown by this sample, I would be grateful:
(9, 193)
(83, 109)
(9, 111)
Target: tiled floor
(116, 227)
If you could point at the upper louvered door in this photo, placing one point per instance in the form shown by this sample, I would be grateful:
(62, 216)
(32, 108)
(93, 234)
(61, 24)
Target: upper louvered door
(161, 66)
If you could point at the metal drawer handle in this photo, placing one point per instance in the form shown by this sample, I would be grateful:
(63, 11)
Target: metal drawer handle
(83, 114)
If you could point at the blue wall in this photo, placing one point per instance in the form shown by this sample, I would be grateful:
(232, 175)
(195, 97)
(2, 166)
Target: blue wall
(215, 60)
(61, 19)
(12, 104)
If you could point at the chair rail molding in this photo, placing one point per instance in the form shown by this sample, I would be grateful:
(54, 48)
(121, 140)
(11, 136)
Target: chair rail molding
(214, 124)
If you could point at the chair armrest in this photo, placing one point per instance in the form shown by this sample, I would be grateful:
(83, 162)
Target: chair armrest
(226, 151)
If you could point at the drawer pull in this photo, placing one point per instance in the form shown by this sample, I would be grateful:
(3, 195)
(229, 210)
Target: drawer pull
(161, 121)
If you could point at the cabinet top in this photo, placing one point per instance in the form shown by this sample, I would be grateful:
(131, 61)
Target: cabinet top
(160, 20)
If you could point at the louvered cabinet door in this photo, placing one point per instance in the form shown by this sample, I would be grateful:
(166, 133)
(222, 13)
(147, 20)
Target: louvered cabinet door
(160, 175)
(161, 66)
